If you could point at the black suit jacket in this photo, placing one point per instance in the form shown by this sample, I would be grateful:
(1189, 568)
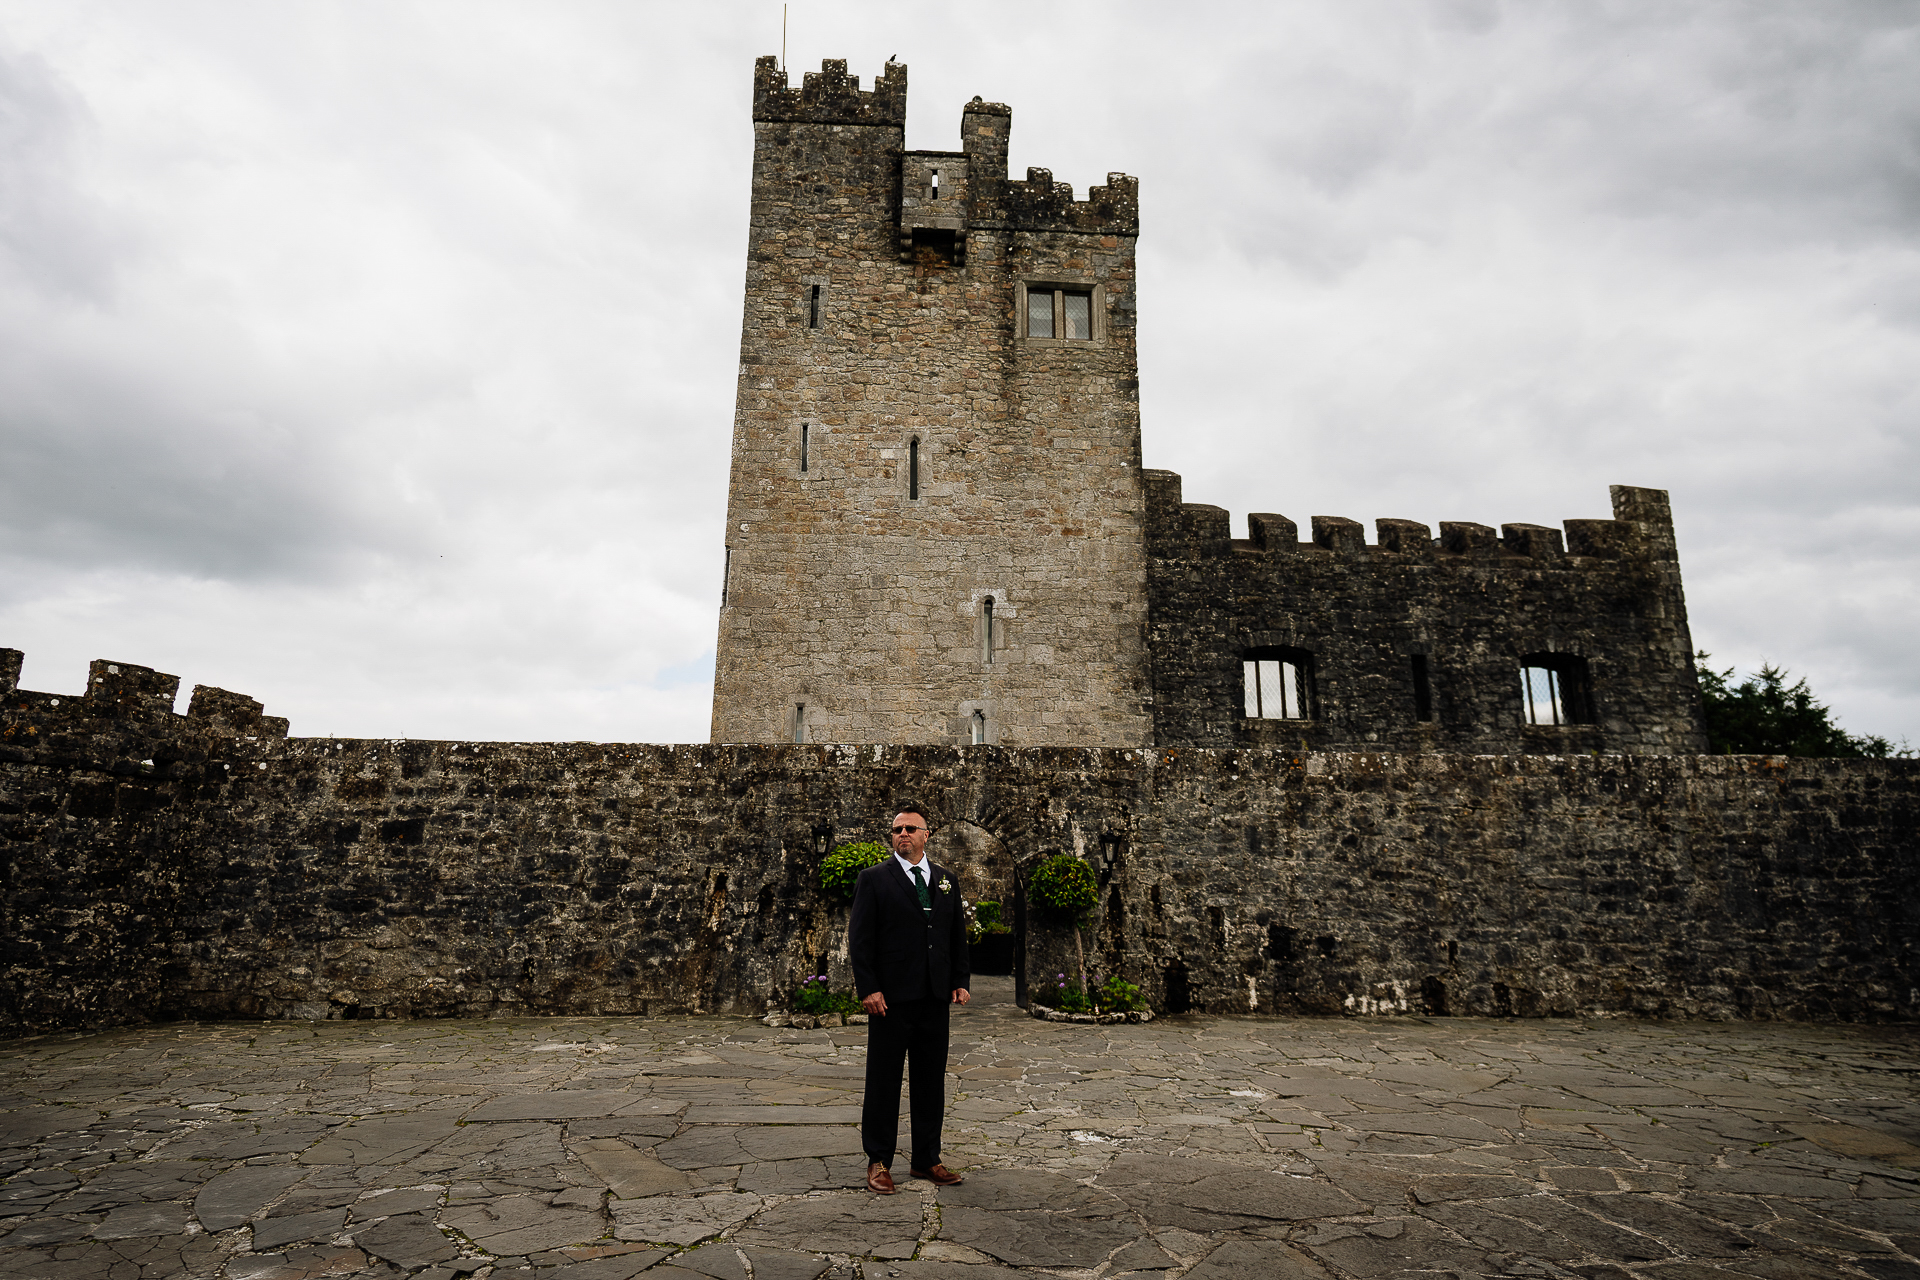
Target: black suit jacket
(899, 950)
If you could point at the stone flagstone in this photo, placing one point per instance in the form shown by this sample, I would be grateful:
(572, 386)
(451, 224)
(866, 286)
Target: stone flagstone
(691, 1148)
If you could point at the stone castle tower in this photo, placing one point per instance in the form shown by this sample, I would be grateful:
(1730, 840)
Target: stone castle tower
(939, 529)
(935, 518)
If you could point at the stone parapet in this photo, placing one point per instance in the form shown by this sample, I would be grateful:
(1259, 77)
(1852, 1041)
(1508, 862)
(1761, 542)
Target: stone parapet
(159, 869)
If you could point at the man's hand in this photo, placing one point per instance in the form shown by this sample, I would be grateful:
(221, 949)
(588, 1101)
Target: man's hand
(960, 995)
(875, 1005)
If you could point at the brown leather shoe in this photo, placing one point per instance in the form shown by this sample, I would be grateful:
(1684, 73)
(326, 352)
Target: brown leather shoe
(939, 1175)
(879, 1181)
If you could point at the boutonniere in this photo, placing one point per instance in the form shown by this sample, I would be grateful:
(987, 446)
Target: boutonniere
(946, 885)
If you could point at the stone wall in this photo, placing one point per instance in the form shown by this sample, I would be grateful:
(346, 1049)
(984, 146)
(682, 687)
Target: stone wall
(159, 865)
(883, 328)
(1466, 608)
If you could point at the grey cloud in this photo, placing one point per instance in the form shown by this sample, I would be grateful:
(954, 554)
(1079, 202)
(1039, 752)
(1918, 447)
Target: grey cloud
(54, 238)
(394, 383)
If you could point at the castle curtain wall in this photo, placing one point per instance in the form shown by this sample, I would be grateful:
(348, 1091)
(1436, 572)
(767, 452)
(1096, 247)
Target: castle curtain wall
(162, 866)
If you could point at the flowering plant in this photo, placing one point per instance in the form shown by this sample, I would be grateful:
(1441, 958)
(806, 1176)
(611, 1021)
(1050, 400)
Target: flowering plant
(813, 996)
(983, 918)
(1115, 995)
(1068, 996)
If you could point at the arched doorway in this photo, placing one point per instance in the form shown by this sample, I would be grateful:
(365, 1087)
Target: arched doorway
(986, 871)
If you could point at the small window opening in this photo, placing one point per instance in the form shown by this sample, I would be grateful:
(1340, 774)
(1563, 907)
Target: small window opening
(726, 576)
(799, 722)
(1060, 313)
(1422, 690)
(805, 432)
(1278, 684)
(936, 184)
(986, 631)
(813, 308)
(913, 469)
(1555, 689)
(978, 726)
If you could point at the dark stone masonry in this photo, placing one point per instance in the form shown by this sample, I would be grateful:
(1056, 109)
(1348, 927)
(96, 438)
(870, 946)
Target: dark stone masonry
(206, 866)
(1413, 643)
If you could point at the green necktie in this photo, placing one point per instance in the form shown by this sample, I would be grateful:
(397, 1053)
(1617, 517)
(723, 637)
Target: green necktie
(920, 887)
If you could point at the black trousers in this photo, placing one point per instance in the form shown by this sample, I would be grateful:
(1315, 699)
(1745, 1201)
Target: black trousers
(913, 1034)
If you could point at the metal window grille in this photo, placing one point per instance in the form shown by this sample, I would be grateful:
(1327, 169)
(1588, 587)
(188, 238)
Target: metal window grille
(1077, 309)
(1276, 689)
(1542, 690)
(1040, 313)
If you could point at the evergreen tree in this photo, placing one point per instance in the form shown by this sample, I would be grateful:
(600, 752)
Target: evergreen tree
(1764, 715)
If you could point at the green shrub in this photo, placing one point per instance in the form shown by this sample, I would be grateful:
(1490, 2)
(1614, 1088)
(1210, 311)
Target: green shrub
(1116, 995)
(812, 996)
(1064, 886)
(841, 868)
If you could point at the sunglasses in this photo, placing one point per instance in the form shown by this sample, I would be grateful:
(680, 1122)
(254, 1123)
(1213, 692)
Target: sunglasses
(901, 831)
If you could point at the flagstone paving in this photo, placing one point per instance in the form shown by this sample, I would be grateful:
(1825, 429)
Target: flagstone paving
(1211, 1148)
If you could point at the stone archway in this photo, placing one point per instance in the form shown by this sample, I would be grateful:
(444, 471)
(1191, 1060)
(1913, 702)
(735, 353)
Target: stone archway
(983, 863)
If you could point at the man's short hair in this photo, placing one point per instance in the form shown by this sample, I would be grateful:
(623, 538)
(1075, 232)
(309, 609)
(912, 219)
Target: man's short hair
(909, 806)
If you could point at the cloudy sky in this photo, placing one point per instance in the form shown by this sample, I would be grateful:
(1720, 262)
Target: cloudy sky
(376, 359)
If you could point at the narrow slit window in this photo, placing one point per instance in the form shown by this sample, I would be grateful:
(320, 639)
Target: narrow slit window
(813, 308)
(805, 437)
(1277, 684)
(726, 576)
(1422, 690)
(1039, 313)
(913, 469)
(799, 722)
(1555, 689)
(986, 631)
(935, 186)
(978, 726)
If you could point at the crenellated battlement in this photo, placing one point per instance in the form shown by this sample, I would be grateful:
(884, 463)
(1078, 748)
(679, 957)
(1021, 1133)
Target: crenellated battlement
(129, 692)
(226, 712)
(1642, 528)
(829, 95)
(1041, 204)
(1419, 641)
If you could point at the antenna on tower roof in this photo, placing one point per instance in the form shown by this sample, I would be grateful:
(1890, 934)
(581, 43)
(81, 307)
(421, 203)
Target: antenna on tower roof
(783, 39)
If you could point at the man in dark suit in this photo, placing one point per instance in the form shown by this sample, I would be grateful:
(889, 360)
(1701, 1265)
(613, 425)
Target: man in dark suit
(908, 944)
